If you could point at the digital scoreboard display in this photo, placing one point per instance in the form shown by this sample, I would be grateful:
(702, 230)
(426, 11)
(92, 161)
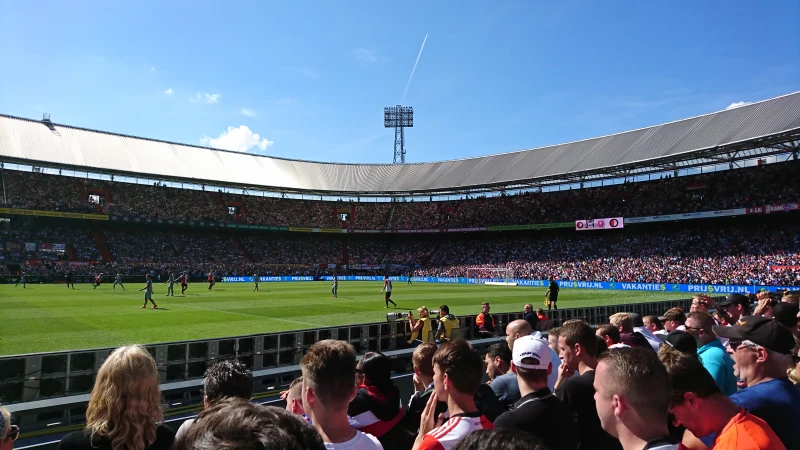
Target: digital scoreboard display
(608, 223)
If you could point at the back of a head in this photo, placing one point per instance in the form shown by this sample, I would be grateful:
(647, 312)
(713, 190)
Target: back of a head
(637, 375)
(623, 321)
(377, 371)
(237, 424)
(124, 405)
(500, 350)
(675, 314)
(462, 364)
(609, 330)
(579, 332)
(228, 379)
(687, 374)
(445, 309)
(499, 439)
(329, 367)
(519, 326)
(786, 314)
(422, 358)
(5, 423)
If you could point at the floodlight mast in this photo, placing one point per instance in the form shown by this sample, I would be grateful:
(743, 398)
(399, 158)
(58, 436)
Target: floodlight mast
(398, 117)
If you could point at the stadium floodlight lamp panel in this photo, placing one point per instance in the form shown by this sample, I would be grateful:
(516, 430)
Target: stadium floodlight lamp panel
(398, 117)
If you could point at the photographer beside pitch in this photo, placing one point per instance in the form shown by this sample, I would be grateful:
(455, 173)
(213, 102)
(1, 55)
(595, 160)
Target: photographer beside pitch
(423, 326)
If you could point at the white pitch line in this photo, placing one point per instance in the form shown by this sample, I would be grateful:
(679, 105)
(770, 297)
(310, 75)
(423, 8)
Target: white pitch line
(245, 314)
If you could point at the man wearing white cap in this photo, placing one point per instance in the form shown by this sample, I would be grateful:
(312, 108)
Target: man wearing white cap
(538, 411)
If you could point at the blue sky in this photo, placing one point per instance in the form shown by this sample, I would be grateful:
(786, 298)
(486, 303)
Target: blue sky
(311, 78)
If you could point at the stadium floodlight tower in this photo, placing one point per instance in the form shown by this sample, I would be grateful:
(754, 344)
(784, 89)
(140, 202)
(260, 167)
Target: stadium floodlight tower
(398, 117)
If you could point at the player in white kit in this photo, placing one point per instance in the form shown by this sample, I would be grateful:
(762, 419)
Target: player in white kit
(387, 287)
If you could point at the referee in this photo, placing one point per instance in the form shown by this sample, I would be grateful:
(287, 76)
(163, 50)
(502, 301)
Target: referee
(551, 296)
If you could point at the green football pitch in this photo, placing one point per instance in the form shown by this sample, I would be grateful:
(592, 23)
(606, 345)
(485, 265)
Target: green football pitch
(46, 317)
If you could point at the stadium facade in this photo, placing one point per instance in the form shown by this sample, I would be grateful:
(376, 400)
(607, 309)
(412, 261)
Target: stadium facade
(769, 127)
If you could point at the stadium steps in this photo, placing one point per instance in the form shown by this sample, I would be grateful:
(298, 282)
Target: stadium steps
(101, 243)
(71, 253)
(390, 217)
(430, 255)
(241, 246)
(345, 255)
(82, 191)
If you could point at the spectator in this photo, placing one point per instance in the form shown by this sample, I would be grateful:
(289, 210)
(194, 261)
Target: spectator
(673, 320)
(500, 440)
(222, 380)
(498, 368)
(577, 345)
(329, 384)
(653, 324)
(699, 303)
(447, 322)
(761, 350)
(681, 341)
(294, 398)
(732, 308)
(638, 327)
(530, 316)
(610, 335)
(711, 351)
(787, 315)
(422, 361)
(8, 433)
(698, 404)
(457, 374)
(632, 395)
(538, 411)
(236, 423)
(515, 330)
(485, 322)
(544, 321)
(376, 408)
(124, 409)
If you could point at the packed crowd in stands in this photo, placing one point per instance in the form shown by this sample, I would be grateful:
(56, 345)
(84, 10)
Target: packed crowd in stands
(749, 187)
(724, 376)
(765, 254)
(693, 256)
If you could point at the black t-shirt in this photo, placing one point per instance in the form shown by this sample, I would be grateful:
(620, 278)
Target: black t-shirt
(80, 440)
(577, 393)
(553, 294)
(532, 319)
(544, 415)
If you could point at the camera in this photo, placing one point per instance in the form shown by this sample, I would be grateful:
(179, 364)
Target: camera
(395, 316)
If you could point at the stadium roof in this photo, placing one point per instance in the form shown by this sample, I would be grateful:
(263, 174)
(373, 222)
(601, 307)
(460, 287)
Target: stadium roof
(718, 137)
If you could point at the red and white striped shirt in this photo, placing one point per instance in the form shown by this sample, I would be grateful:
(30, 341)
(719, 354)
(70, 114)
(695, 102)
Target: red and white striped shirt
(446, 436)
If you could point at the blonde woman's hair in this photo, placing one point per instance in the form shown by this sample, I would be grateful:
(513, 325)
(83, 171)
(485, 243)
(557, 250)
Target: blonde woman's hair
(124, 406)
(423, 308)
(6, 423)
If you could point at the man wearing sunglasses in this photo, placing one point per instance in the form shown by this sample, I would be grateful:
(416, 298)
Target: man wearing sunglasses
(762, 352)
(8, 433)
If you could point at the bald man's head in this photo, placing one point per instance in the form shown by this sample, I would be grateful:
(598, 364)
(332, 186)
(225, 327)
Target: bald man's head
(516, 330)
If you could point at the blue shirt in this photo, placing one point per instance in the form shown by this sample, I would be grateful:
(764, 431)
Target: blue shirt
(719, 364)
(777, 402)
(506, 388)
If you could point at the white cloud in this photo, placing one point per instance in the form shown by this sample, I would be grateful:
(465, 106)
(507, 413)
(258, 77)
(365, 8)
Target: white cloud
(168, 91)
(240, 139)
(152, 69)
(306, 72)
(737, 105)
(248, 112)
(202, 97)
(365, 55)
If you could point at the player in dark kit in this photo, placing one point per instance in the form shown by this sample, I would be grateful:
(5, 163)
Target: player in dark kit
(184, 282)
(211, 281)
(551, 297)
(70, 281)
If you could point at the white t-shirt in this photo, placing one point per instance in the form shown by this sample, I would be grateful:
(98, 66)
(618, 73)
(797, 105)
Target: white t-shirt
(361, 441)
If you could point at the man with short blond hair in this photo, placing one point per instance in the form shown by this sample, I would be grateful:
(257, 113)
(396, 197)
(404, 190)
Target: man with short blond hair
(329, 385)
(632, 397)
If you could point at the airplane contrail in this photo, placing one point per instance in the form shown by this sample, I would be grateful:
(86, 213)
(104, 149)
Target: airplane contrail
(414, 69)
